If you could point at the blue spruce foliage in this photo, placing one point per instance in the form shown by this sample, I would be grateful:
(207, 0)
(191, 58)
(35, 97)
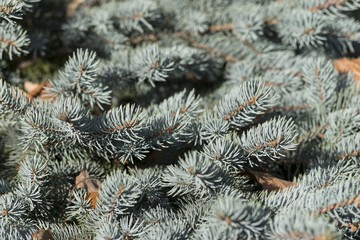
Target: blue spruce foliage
(179, 119)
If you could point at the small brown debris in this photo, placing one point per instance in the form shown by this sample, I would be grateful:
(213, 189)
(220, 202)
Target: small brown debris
(269, 182)
(347, 65)
(91, 185)
(42, 234)
(72, 7)
(37, 90)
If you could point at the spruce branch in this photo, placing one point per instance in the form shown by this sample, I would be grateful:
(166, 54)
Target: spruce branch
(321, 79)
(152, 65)
(13, 101)
(244, 103)
(79, 79)
(236, 218)
(119, 193)
(306, 29)
(226, 154)
(13, 40)
(196, 175)
(11, 9)
(271, 139)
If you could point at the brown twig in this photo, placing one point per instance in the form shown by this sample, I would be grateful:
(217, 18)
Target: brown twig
(327, 5)
(353, 201)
